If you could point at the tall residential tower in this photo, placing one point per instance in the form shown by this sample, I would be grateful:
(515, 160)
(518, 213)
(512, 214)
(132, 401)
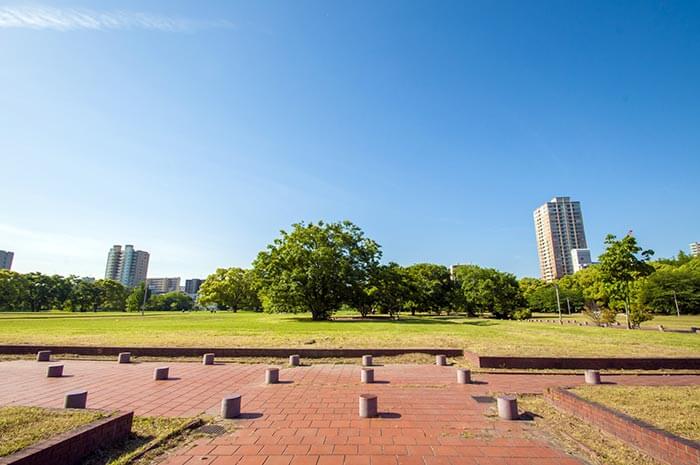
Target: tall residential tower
(128, 266)
(694, 249)
(559, 230)
(6, 260)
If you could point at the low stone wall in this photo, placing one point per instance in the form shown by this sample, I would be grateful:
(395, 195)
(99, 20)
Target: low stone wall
(223, 351)
(72, 446)
(616, 325)
(658, 443)
(585, 363)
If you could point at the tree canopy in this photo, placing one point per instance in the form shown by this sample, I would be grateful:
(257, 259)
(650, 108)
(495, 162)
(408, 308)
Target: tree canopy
(230, 288)
(315, 267)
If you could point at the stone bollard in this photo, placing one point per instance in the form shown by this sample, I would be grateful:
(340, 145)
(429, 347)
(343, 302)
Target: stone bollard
(124, 357)
(464, 376)
(43, 356)
(75, 399)
(592, 376)
(231, 406)
(507, 407)
(161, 373)
(441, 360)
(208, 359)
(367, 375)
(272, 375)
(661, 328)
(366, 360)
(54, 371)
(368, 406)
(294, 360)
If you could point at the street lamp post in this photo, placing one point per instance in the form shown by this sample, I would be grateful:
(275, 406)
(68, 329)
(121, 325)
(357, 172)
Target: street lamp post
(145, 296)
(675, 300)
(556, 289)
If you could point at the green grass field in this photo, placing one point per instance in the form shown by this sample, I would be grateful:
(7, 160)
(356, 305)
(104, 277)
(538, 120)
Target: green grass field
(248, 329)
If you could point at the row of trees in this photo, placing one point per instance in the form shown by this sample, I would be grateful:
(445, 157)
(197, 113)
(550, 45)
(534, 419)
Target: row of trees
(625, 280)
(322, 267)
(38, 292)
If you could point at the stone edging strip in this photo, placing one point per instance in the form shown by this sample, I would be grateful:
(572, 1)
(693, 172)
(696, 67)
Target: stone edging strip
(478, 361)
(585, 363)
(72, 446)
(656, 442)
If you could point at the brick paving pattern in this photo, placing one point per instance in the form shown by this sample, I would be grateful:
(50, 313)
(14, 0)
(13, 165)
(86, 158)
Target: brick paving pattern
(311, 418)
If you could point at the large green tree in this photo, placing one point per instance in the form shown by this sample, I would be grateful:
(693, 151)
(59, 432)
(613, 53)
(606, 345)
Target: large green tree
(387, 291)
(665, 289)
(13, 290)
(113, 294)
(489, 290)
(85, 296)
(621, 265)
(428, 288)
(230, 288)
(316, 267)
(135, 299)
(170, 301)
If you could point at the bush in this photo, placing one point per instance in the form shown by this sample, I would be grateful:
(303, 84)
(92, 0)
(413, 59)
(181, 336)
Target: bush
(522, 314)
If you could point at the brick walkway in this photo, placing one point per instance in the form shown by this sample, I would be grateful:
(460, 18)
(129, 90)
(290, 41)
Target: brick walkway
(311, 418)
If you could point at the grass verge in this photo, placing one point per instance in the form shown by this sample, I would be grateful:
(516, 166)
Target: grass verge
(675, 409)
(249, 329)
(21, 427)
(579, 438)
(149, 438)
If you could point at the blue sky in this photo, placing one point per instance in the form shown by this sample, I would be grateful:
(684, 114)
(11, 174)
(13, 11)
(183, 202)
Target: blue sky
(198, 130)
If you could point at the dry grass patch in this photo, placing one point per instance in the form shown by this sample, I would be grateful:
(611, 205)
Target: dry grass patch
(21, 427)
(673, 408)
(579, 438)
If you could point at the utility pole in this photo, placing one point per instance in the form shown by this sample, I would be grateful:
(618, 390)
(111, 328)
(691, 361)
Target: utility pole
(145, 295)
(556, 288)
(675, 300)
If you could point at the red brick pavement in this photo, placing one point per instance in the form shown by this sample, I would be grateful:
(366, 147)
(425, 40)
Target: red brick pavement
(311, 418)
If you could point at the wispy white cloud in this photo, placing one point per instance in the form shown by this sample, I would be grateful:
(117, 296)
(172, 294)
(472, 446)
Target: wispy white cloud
(70, 19)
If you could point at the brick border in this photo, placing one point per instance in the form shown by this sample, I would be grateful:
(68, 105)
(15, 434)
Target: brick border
(224, 351)
(71, 447)
(582, 363)
(658, 443)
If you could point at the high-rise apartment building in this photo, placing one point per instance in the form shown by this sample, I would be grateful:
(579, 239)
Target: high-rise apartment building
(192, 286)
(128, 266)
(6, 259)
(163, 285)
(695, 249)
(559, 230)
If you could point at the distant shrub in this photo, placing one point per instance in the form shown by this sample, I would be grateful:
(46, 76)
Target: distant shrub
(522, 314)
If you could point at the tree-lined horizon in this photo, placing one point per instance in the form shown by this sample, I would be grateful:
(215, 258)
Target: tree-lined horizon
(321, 268)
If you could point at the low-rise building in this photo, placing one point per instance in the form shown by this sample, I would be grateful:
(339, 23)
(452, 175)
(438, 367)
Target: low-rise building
(580, 259)
(163, 285)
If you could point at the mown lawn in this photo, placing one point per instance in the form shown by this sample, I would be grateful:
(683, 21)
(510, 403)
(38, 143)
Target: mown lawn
(21, 427)
(248, 329)
(673, 408)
